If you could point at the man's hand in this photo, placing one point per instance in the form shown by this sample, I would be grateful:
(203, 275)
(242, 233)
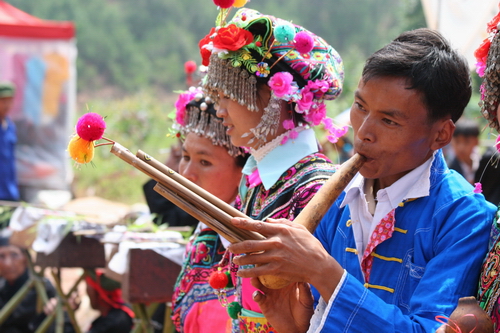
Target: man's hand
(290, 252)
(288, 309)
(73, 301)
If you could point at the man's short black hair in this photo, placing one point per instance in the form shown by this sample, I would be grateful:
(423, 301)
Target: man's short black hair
(466, 127)
(425, 59)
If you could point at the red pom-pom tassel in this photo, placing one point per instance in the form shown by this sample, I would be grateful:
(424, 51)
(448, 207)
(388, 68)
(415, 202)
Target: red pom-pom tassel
(190, 67)
(224, 3)
(218, 280)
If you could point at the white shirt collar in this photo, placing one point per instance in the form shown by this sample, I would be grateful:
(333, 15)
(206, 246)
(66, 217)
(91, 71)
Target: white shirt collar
(280, 158)
(415, 184)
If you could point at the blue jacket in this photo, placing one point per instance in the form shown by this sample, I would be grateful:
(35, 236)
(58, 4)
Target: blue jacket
(432, 259)
(8, 178)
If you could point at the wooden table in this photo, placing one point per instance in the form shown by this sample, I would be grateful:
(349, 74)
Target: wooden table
(149, 280)
(150, 277)
(75, 251)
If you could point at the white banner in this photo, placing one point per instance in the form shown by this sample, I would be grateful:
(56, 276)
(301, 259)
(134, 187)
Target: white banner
(462, 22)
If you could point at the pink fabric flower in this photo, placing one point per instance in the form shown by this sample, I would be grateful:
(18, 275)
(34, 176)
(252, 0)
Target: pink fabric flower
(334, 132)
(318, 87)
(478, 188)
(288, 124)
(182, 101)
(284, 140)
(294, 134)
(305, 103)
(316, 114)
(281, 84)
(480, 68)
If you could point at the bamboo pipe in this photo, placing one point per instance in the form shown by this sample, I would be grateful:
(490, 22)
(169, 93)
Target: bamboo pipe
(199, 203)
(314, 211)
(310, 216)
(190, 185)
(200, 215)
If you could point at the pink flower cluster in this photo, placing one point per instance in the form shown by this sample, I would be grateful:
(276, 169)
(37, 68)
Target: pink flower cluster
(334, 131)
(282, 84)
(182, 101)
(309, 102)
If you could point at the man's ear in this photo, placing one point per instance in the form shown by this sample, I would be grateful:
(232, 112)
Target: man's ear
(443, 130)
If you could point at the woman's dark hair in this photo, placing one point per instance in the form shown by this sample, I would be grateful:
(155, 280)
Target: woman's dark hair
(240, 160)
(425, 59)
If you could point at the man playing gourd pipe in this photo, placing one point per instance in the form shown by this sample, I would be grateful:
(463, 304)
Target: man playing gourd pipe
(407, 238)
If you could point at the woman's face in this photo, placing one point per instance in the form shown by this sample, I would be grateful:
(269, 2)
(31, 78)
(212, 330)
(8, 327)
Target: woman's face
(498, 111)
(210, 167)
(238, 120)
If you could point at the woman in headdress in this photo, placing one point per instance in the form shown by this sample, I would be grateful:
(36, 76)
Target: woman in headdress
(488, 67)
(270, 80)
(213, 163)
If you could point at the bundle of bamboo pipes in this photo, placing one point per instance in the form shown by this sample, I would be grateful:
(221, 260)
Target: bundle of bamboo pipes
(217, 214)
(190, 197)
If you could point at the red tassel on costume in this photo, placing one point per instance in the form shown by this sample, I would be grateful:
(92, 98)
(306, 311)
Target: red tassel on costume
(218, 280)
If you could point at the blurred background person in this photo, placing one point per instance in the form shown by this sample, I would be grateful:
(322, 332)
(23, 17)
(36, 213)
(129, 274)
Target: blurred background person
(465, 144)
(105, 296)
(9, 189)
(14, 274)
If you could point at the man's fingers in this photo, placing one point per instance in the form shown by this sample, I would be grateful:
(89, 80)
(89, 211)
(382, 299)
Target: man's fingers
(305, 295)
(258, 297)
(282, 221)
(252, 246)
(257, 284)
(253, 259)
(249, 224)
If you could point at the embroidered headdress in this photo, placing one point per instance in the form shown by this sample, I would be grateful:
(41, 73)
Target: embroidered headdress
(195, 113)
(488, 67)
(299, 67)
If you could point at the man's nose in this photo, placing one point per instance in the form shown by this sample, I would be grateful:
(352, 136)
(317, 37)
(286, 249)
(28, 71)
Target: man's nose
(366, 131)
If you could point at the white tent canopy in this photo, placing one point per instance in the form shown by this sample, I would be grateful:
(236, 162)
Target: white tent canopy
(462, 22)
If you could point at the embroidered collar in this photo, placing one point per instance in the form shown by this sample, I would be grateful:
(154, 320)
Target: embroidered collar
(415, 184)
(280, 158)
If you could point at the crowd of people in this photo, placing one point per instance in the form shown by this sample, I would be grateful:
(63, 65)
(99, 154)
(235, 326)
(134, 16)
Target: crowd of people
(414, 231)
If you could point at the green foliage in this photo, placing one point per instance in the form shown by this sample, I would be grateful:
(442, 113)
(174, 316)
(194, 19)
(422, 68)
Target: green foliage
(138, 48)
(130, 44)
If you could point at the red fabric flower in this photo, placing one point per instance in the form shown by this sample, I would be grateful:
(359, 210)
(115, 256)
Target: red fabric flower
(232, 38)
(481, 53)
(492, 25)
(204, 52)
